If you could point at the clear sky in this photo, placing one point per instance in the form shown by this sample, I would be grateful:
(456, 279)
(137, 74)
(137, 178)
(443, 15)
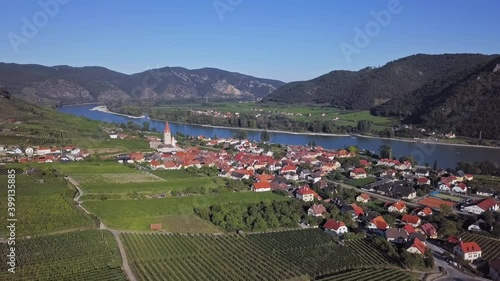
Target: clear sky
(280, 39)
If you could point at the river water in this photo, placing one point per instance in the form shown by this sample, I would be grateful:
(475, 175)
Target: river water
(446, 155)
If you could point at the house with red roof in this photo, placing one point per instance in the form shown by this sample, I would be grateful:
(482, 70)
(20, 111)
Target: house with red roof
(482, 206)
(409, 229)
(261, 186)
(460, 188)
(288, 169)
(43, 150)
(415, 247)
(358, 173)
(337, 227)
(378, 223)
(425, 212)
(316, 210)
(305, 193)
(155, 165)
(363, 197)
(399, 207)
(411, 220)
(469, 251)
(364, 163)
(423, 180)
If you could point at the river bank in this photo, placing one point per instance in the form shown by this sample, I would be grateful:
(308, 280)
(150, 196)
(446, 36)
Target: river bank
(104, 109)
(426, 142)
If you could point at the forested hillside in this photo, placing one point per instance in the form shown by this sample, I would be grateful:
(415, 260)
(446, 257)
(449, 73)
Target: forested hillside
(373, 86)
(467, 102)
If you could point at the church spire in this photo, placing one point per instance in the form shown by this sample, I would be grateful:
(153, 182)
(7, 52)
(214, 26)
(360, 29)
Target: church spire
(167, 127)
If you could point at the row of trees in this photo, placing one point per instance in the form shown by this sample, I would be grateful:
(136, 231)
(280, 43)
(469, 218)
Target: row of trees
(255, 217)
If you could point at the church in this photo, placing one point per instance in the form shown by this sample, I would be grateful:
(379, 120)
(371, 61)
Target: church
(169, 142)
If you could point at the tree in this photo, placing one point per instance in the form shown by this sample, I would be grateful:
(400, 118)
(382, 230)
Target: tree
(364, 126)
(496, 229)
(241, 135)
(446, 210)
(353, 149)
(435, 165)
(264, 136)
(145, 126)
(385, 151)
(489, 218)
(448, 228)
(408, 158)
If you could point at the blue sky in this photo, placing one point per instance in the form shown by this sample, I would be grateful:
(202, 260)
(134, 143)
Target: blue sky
(283, 39)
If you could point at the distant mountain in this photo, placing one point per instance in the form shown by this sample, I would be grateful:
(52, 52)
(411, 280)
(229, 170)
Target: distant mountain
(465, 102)
(370, 87)
(65, 84)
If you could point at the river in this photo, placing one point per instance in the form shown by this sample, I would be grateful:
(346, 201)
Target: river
(446, 155)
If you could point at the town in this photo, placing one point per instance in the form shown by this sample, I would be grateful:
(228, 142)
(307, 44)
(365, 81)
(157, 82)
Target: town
(348, 193)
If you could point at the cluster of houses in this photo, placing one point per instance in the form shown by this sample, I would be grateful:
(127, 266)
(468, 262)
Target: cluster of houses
(41, 154)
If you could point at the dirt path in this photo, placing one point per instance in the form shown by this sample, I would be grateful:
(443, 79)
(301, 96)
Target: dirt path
(116, 233)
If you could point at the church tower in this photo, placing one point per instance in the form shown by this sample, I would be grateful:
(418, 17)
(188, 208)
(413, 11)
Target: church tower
(167, 135)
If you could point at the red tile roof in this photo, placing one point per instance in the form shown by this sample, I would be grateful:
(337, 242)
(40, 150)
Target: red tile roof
(380, 223)
(419, 245)
(262, 185)
(409, 228)
(357, 209)
(427, 211)
(422, 180)
(428, 229)
(318, 209)
(306, 190)
(487, 203)
(332, 224)
(359, 171)
(365, 196)
(469, 247)
(410, 219)
(400, 205)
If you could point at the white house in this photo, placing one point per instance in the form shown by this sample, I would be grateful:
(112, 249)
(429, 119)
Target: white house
(337, 227)
(482, 206)
(262, 186)
(43, 151)
(306, 194)
(358, 173)
(2, 148)
(29, 151)
(113, 136)
(469, 251)
(75, 151)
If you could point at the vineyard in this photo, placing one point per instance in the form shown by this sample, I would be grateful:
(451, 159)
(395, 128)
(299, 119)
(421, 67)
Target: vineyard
(371, 275)
(313, 253)
(86, 256)
(490, 246)
(265, 256)
(139, 214)
(43, 207)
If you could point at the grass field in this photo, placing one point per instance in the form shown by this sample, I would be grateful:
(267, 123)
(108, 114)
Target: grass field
(490, 246)
(93, 168)
(42, 207)
(362, 182)
(294, 112)
(85, 256)
(448, 197)
(287, 255)
(139, 214)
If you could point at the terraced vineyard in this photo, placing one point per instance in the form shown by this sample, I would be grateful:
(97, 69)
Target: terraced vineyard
(313, 253)
(372, 275)
(86, 256)
(42, 206)
(266, 256)
(490, 246)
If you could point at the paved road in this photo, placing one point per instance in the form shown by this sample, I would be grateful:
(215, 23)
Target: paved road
(451, 272)
(116, 233)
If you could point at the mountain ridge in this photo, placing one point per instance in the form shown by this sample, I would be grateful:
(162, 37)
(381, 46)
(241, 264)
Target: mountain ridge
(63, 84)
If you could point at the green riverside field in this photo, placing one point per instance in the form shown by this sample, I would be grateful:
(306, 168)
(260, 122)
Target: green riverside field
(139, 214)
